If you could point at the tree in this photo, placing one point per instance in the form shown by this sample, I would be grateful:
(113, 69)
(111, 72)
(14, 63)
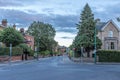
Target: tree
(86, 31)
(44, 35)
(10, 35)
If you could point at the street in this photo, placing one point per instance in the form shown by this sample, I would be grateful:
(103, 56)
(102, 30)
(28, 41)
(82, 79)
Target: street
(58, 68)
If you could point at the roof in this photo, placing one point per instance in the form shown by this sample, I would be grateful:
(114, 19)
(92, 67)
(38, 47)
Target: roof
(2, 25)
(101, 25)
(29, 35)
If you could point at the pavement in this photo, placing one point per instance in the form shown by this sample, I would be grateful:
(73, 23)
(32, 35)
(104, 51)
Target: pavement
(91, 61)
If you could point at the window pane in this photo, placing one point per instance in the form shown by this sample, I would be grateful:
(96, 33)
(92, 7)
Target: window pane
(112, 45)
(110, 34)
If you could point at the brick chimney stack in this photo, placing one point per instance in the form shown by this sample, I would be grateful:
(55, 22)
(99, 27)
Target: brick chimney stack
(22, 31)
(14, 26)
(97, 20)
(4, 22)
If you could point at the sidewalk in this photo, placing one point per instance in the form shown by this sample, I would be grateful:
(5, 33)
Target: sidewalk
(91, 60)
(17, 62)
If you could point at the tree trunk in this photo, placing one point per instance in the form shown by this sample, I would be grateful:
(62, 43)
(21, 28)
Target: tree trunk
(88, 53)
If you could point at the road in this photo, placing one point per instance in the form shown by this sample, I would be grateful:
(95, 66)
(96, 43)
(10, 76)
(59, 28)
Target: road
(58, 68)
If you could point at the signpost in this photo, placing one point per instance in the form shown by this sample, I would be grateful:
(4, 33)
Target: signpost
(73, 52)
(10, 54)
(81, 54)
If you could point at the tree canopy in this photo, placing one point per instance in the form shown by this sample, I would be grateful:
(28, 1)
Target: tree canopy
(10, 35)
(44, 35)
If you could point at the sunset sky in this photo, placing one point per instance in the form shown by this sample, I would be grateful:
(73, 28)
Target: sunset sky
(62, 14)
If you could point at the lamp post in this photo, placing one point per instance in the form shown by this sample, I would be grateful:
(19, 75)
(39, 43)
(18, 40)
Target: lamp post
(95, 46)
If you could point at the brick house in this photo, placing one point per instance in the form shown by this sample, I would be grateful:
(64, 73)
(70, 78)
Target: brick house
(3, 25)
(109, 34)
(29, 40)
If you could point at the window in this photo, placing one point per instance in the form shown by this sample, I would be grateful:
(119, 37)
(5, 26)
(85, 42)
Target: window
(112, 45)
(110, 34)
(107, 46)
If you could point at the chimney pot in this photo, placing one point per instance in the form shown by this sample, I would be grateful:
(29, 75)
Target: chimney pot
(4, 22)
(14, 26)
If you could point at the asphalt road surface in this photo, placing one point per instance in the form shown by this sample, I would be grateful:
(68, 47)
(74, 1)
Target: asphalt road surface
(58, 68)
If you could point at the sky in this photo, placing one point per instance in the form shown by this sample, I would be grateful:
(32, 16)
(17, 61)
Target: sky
(62, 14)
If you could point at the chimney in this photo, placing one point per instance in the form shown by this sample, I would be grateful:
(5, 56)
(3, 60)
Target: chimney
(97, 20)
(14, 26)
(4, 22)
(22, 31)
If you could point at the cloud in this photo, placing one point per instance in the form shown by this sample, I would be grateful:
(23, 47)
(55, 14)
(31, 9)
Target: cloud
(60, 23)
(66, 37)
(62, 14)
(49, 10)
(67, 29)
(4, 3)
(107, 12)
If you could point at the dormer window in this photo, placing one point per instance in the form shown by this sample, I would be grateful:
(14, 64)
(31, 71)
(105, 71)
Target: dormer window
(110, 34)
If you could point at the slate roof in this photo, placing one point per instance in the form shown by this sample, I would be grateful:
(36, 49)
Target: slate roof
(2, 26)
(100, 25)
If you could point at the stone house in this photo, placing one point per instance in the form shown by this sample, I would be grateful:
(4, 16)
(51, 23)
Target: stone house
(109, 34)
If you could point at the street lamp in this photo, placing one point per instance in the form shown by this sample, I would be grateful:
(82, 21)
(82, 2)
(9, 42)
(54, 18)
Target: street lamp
(95, 46)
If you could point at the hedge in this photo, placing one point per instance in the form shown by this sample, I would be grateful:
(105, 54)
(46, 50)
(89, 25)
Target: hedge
(108, 56)
(15, 51)
(44, 53)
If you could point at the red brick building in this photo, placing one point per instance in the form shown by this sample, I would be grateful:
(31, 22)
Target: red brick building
(29, 40)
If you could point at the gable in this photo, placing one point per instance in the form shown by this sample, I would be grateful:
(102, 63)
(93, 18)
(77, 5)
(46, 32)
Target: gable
(111, 26)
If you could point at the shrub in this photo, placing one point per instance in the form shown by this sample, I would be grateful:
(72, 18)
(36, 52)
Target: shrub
(45, 53)
(25, 46)
(108, 56)
(55, 53)
(15, 51)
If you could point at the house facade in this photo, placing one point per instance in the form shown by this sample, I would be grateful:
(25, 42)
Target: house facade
(109, 34)
(3, 25)
(29, 40)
